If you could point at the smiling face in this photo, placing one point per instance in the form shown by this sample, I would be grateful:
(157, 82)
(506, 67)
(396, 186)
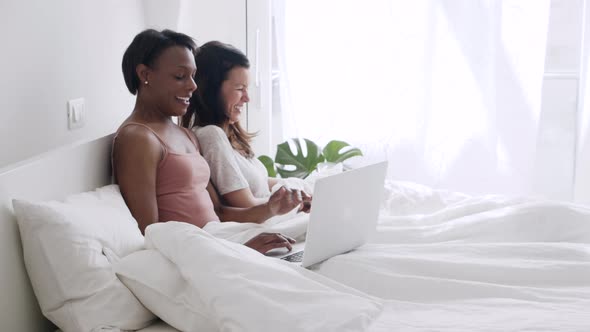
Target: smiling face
(170, 80)
(234, 93)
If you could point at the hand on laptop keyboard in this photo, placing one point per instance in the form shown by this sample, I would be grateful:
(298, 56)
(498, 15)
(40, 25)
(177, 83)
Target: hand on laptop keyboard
(265, 242)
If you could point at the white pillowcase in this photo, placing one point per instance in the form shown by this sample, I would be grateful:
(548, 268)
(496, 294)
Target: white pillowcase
(243, 290)
(157, 283)
(63, 245)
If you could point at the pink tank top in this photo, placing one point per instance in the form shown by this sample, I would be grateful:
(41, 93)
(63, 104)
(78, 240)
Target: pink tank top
(181, 185)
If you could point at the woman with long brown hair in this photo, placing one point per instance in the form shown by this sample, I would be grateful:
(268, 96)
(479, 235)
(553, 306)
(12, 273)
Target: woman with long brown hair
(214, 115)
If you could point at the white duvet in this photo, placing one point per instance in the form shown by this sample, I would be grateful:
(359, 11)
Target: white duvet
(449, 262)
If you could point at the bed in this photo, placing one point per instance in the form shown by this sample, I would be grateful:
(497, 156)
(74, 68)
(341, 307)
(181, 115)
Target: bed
(439, 261)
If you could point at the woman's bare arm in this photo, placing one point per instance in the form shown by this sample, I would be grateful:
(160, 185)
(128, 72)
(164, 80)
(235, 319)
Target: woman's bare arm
(281, 202)
(272, 182)
(136, 155)
(243, 198)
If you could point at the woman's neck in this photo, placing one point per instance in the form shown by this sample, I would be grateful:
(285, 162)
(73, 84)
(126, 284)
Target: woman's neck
(149, 112)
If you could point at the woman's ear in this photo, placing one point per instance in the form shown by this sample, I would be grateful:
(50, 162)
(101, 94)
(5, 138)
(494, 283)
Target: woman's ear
(143, 73)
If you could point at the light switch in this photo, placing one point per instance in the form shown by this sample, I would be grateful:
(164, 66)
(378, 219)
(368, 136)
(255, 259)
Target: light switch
(76, 113)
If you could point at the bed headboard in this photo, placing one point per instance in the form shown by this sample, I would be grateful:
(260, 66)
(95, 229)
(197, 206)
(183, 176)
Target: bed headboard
(52, 175)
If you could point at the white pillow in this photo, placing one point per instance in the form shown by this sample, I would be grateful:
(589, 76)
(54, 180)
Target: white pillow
(63, 246)
(157, 283)
(243, 290)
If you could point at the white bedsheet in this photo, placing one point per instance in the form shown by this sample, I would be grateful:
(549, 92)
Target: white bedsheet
(467, 316)
(159, 326)
(482, 315)
(451, 262)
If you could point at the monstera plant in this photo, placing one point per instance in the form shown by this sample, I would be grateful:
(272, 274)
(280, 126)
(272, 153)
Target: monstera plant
(297, 164)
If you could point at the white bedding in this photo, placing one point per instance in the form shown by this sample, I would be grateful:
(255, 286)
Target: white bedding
(159, 326)
(468, 316)
(451, 262)
(242, 290)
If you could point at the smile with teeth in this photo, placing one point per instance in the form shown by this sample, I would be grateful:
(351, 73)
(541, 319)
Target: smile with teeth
(185, 100)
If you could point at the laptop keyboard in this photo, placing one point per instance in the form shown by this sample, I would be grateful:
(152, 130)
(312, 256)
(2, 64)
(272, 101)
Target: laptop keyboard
(295, 257)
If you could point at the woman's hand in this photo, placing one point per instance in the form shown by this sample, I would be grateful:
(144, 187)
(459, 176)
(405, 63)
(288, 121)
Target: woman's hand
(281, 202)
(284, 200)
(265, 242)
(306, 202)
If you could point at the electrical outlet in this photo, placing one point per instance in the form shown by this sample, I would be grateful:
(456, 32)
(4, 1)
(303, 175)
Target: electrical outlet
(76, 113)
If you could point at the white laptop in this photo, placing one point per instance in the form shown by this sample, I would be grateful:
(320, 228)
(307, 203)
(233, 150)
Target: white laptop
(344, 212)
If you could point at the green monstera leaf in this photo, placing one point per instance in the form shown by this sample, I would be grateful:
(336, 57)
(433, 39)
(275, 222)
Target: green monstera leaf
(269, 164)
(297, 165)
(332, 152)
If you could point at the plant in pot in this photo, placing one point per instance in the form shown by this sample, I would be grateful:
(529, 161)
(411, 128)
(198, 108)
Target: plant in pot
(288, 163)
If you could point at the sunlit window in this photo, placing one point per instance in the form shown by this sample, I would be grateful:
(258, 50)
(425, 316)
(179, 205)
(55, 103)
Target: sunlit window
(448, 91)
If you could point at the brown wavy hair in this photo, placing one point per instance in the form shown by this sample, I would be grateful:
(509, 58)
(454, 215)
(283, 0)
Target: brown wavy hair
(214, 61)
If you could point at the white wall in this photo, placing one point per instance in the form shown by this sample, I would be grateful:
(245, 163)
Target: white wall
(161, 14)
(53, 51)
(246, 25)
(223, 20)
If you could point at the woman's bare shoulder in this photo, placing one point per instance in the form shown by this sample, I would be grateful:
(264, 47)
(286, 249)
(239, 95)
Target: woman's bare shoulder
(134, 136)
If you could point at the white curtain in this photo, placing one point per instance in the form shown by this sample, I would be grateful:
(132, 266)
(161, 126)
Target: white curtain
(448, 91)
